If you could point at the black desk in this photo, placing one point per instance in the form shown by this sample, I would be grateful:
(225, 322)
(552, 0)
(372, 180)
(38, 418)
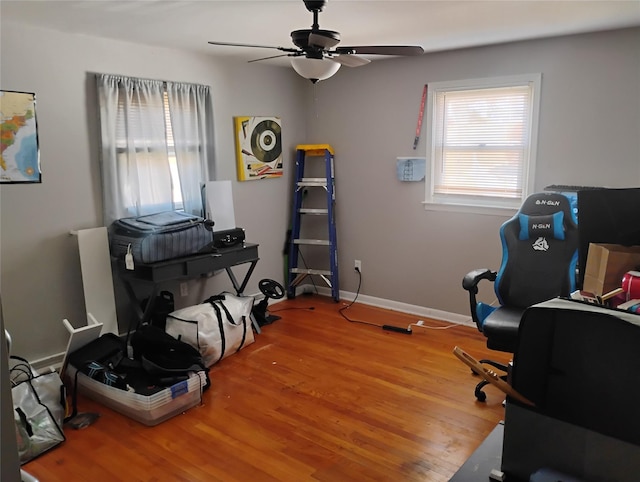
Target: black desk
(486, 458)
(190, 267)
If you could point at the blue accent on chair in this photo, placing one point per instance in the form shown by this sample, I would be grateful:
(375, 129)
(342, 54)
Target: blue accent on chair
(533, 227)
(571, 274)
(558, 225)
(503, 263)
(524, 227)
(483, 310)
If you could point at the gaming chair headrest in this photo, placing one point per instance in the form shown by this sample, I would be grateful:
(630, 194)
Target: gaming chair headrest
(544, 214)
(544, 203)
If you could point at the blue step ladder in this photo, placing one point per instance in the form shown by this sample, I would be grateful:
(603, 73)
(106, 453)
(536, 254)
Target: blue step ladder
(298, 272)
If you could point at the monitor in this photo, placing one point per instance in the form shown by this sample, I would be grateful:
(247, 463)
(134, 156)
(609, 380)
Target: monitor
(607, 216)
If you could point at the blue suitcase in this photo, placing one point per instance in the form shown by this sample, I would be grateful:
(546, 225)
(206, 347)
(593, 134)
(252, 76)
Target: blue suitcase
(161, 236)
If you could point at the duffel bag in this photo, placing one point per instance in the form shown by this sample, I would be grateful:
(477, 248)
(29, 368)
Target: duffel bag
(218, 327)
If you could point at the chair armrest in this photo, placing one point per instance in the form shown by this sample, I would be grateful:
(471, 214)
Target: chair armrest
(470, 283)
(472, 278)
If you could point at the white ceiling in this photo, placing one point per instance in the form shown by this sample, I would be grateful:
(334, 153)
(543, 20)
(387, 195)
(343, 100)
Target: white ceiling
(435, 25)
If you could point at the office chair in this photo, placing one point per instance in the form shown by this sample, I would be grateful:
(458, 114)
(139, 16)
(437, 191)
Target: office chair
(539, 257)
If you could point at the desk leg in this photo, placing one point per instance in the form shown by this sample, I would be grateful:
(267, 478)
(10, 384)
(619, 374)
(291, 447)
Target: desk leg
(143, 316)
(240, 289)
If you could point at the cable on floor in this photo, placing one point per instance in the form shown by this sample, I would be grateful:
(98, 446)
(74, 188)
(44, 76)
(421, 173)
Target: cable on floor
(397, 329)
(344, 308)
(293, 308)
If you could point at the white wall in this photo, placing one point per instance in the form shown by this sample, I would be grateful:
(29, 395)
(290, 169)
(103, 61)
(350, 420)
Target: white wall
(40, 264)
(589, 135)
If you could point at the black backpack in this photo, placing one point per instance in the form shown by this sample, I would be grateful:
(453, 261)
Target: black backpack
(165, 357)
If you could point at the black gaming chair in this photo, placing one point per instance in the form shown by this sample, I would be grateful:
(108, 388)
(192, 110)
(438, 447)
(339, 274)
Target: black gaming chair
(539, 256)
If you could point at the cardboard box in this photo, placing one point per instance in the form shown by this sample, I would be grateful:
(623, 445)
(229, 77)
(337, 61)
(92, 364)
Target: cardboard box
(606, 264)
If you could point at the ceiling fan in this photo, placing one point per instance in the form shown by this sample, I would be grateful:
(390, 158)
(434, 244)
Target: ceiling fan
(317, 56)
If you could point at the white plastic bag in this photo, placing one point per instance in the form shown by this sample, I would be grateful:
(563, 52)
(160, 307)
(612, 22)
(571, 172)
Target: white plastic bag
(219, 327)
(38, 410)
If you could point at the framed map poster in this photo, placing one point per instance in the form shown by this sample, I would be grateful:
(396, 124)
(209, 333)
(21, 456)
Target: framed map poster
(19, 151)
(258, 147)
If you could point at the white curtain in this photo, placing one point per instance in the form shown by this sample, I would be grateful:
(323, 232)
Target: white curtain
(190, 110)
(136, 174)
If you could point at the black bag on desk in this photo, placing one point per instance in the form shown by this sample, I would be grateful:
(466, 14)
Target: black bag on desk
(160, 236)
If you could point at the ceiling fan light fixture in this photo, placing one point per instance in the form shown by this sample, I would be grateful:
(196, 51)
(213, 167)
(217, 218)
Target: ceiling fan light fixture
(314, 69)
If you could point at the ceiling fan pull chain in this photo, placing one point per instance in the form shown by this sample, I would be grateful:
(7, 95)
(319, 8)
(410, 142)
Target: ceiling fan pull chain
(420, 117)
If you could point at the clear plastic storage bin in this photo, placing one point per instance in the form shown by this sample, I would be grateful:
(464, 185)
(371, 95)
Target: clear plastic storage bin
(149, 410)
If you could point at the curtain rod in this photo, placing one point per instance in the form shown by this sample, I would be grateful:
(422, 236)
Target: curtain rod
(165, 82)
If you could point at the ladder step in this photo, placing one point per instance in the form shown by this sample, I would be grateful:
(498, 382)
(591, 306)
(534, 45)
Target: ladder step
(313, 181)
(318, 242)
(315, 149)
(313, 211)
(323, 272)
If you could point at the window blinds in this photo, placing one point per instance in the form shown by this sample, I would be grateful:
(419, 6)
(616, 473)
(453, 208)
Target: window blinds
(481, 141)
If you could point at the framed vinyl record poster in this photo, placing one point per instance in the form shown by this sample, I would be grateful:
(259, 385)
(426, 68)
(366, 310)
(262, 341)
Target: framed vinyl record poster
(258, 147)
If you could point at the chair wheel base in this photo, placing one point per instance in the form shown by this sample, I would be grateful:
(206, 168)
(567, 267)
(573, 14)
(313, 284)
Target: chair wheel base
(480, 395)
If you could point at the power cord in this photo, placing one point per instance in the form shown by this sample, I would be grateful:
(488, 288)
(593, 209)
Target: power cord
(293, 308)
(384, 327)
(344, 308)
(397, 329)
(421, 324)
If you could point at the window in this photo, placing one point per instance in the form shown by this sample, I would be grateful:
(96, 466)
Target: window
(171, 152)
(157, 145)
(481, 138)
(152, 135)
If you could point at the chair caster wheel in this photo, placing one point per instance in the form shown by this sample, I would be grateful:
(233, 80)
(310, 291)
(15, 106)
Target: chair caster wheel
(481, 396)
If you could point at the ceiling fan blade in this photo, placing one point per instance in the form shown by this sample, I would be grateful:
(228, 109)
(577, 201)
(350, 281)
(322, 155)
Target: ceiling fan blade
(323, 41)
(229, 44)
(350, 60)
(272, 57)
(382, 50)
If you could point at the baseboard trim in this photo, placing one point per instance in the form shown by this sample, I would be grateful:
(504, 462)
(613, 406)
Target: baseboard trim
(48, 364)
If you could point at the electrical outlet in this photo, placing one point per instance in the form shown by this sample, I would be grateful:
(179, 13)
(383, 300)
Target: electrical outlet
(184, 289)
(358, 265)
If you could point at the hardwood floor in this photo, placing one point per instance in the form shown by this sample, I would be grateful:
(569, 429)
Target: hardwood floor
(315, 398)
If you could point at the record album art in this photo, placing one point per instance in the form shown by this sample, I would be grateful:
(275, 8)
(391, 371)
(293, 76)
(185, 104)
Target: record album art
(258, 147)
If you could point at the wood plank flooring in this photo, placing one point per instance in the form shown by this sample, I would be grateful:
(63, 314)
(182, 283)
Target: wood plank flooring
(315, 398)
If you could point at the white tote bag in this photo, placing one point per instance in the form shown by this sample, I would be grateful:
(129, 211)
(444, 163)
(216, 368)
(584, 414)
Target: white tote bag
(38, 409)
(218, 327)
